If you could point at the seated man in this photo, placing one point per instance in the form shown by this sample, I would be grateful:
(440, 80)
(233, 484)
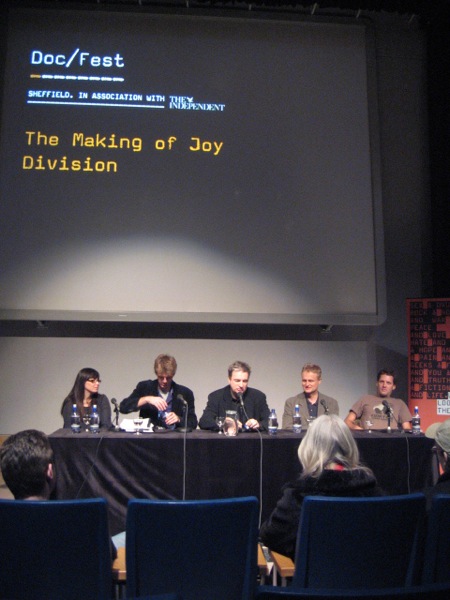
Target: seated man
(312, 403)
(380, 410)
(162, 400)
(249, 403)
(26, 460)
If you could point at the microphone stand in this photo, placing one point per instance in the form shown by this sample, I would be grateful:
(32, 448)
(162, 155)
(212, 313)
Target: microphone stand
(185, 428)
(117, 412)
(389, 414)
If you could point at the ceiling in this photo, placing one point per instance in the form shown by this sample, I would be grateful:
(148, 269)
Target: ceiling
(427, 11)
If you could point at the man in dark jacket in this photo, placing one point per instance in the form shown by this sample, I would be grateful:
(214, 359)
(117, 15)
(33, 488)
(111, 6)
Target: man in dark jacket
(249, 403)
(162, 400)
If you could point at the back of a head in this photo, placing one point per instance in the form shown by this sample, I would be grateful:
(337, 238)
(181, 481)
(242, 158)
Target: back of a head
(24, 459)
(327, 440)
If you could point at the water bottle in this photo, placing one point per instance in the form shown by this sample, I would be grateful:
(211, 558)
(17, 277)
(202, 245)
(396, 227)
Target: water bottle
(415, 421)
(75, 420)
(297, 420)
(273, 422)
(95, 420)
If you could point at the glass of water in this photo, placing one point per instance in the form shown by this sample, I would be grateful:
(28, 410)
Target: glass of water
(368, 425)
(137, 422)
(219, 422)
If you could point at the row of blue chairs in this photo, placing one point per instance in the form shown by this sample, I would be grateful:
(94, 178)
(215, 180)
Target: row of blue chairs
(206, 550)
(348, 545)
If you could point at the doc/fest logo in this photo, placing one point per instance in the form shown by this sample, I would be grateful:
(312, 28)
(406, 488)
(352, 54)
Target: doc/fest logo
(77, 57)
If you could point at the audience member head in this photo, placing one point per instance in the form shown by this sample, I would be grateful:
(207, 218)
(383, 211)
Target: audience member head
(440, 432)
(328, 441)
(26, 460)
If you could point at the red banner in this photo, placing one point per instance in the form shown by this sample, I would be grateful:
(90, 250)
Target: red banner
(429, 358)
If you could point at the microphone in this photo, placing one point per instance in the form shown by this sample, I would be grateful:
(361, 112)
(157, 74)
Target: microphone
(182, 400)
(325, 405)
(185, 428)
(387, 406)
(244, 412)
(116, 410)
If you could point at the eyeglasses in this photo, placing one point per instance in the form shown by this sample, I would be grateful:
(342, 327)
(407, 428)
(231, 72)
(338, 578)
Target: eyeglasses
(94, 380)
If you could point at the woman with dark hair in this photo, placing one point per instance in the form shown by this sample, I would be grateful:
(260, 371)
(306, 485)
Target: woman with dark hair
(84, 394)
(330, 464)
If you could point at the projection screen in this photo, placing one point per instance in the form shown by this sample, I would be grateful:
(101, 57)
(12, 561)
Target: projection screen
(198, 168)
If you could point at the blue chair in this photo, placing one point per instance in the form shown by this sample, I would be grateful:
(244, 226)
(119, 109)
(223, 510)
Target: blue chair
(423, 592)
(436, 564)
(54, 550)
(358, 543)
(201, 550)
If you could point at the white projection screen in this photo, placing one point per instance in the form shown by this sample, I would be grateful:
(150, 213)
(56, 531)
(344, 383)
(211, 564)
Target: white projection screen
(197, 168)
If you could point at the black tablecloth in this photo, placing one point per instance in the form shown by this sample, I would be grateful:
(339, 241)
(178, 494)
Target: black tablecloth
(120, 466)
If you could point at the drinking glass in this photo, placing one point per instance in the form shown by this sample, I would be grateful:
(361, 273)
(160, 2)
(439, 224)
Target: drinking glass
(137, 422)
(87, 420)
(219, 422)
(369, 425)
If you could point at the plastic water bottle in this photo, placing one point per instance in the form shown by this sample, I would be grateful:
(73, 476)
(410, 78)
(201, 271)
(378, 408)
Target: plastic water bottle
(75, 420)
(273, 422)
(297, 420)
(95, 420)
(415, 421)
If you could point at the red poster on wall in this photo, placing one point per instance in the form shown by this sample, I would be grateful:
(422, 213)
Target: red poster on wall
(429, 358)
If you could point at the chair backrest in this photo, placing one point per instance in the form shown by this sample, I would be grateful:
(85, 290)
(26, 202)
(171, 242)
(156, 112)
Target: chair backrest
(440, 591)
(436, 564)
(358, 542)
(202, 550)
(54, 550)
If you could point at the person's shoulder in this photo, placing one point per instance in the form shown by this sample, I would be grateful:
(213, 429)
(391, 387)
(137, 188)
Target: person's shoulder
(182, 389)
(294, 399)
(146, 383)
(217, 393)
(327, 398)
(396, 400)
(254, 393)
(368, 399)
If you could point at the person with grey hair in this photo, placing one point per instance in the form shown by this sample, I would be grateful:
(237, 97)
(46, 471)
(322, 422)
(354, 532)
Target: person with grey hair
(249, 403)
(440, 433)
(330, 464)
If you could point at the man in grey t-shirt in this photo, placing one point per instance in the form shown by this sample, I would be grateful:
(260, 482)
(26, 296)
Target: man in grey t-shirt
(371, 412)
